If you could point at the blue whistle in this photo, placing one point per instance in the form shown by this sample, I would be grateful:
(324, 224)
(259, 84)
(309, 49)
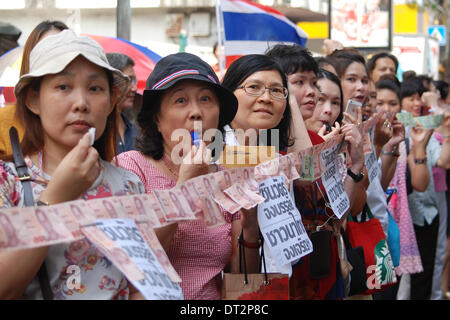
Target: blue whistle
(195, 138)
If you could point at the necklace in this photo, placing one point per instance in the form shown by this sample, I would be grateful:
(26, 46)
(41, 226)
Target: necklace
(41, 160)
(166, 162)
(41, 176)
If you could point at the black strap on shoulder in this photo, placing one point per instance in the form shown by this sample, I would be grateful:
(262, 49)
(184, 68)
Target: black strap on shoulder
(21, 167)
(25, 179)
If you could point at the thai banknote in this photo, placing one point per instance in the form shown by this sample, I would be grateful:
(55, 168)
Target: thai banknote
(67, 217)
(100, 210)
(241, 194)
(225, 178)
(81, 212)
(210, 213)
(243, 174)
(168, 208)
(406, 118)
(26, 227)
(144, 212)
(153, 203)
(183, 209)
(304, 160)
(210, 183)
(54, 228)
(287, 163)
(430, 122)
(267, 169)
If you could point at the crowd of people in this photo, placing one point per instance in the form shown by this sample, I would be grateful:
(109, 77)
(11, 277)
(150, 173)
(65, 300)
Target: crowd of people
(69, 85)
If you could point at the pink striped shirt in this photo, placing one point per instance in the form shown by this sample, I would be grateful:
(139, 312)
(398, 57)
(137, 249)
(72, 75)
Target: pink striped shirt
(197, 253)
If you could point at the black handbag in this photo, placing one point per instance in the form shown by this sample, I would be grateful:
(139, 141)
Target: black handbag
(358, 275)
(320, 258)
(25, 179)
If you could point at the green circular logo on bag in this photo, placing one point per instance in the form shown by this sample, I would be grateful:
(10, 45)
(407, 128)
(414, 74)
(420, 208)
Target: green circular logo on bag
(385, 271)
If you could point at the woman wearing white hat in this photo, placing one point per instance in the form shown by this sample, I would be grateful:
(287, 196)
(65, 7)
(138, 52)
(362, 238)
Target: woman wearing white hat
(69, 89)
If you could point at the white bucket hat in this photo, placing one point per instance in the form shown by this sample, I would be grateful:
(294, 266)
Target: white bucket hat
(54, 53)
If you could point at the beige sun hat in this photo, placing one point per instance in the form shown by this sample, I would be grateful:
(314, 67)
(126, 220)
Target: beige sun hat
(54, 53)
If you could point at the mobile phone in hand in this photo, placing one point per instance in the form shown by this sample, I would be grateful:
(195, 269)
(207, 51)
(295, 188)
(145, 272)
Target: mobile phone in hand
(352, 108)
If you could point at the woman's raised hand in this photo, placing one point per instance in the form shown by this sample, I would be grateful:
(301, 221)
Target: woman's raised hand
(195, 163)
(398, 133)
(355, 144)
(75, 173)
(420, 136)
(327, 135)
(383, 132)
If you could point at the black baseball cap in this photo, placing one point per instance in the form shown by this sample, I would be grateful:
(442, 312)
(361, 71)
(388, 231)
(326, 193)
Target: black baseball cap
(183, 66)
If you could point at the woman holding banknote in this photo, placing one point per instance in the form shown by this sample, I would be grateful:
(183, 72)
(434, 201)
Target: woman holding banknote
(423, 203)
(326, 121)
(59, 102)
(260, 86)
(181, 92)
(390, 147)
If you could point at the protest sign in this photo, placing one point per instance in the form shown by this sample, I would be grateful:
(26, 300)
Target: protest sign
(281, 224)
(371, 158)
(154, 283)
(332, 182)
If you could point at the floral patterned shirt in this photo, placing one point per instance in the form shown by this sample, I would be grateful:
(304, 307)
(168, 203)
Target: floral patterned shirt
(99, 278)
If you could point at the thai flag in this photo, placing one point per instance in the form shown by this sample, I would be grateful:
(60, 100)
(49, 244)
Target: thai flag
(252, 28)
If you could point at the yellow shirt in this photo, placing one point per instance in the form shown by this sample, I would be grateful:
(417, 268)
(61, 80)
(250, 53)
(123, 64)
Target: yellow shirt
(8, 119)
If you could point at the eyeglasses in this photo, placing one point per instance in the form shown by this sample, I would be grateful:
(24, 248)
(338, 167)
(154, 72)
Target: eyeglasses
(133, 81)
(258, 89)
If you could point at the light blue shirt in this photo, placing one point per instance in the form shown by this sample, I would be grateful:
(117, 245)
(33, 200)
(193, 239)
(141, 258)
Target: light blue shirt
(376, 200)
(423, 205)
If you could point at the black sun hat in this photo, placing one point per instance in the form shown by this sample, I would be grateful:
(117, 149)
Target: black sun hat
(183, 66)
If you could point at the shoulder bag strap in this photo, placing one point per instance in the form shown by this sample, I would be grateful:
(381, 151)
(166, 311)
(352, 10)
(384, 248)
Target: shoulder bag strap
(242, 257)
(263, 260)
(25, 179)
(21, 167)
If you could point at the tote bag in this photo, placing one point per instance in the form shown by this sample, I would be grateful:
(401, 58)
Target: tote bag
(254, 286)
(370, 236)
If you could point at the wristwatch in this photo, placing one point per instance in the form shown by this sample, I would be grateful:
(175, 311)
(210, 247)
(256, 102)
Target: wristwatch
(356, 177)
(42, 203)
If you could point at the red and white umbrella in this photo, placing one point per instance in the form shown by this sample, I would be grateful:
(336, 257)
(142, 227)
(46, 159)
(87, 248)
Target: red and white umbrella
(144, 59)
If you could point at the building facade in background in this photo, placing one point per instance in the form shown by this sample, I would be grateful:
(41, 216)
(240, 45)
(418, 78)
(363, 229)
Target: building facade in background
(160, 25)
